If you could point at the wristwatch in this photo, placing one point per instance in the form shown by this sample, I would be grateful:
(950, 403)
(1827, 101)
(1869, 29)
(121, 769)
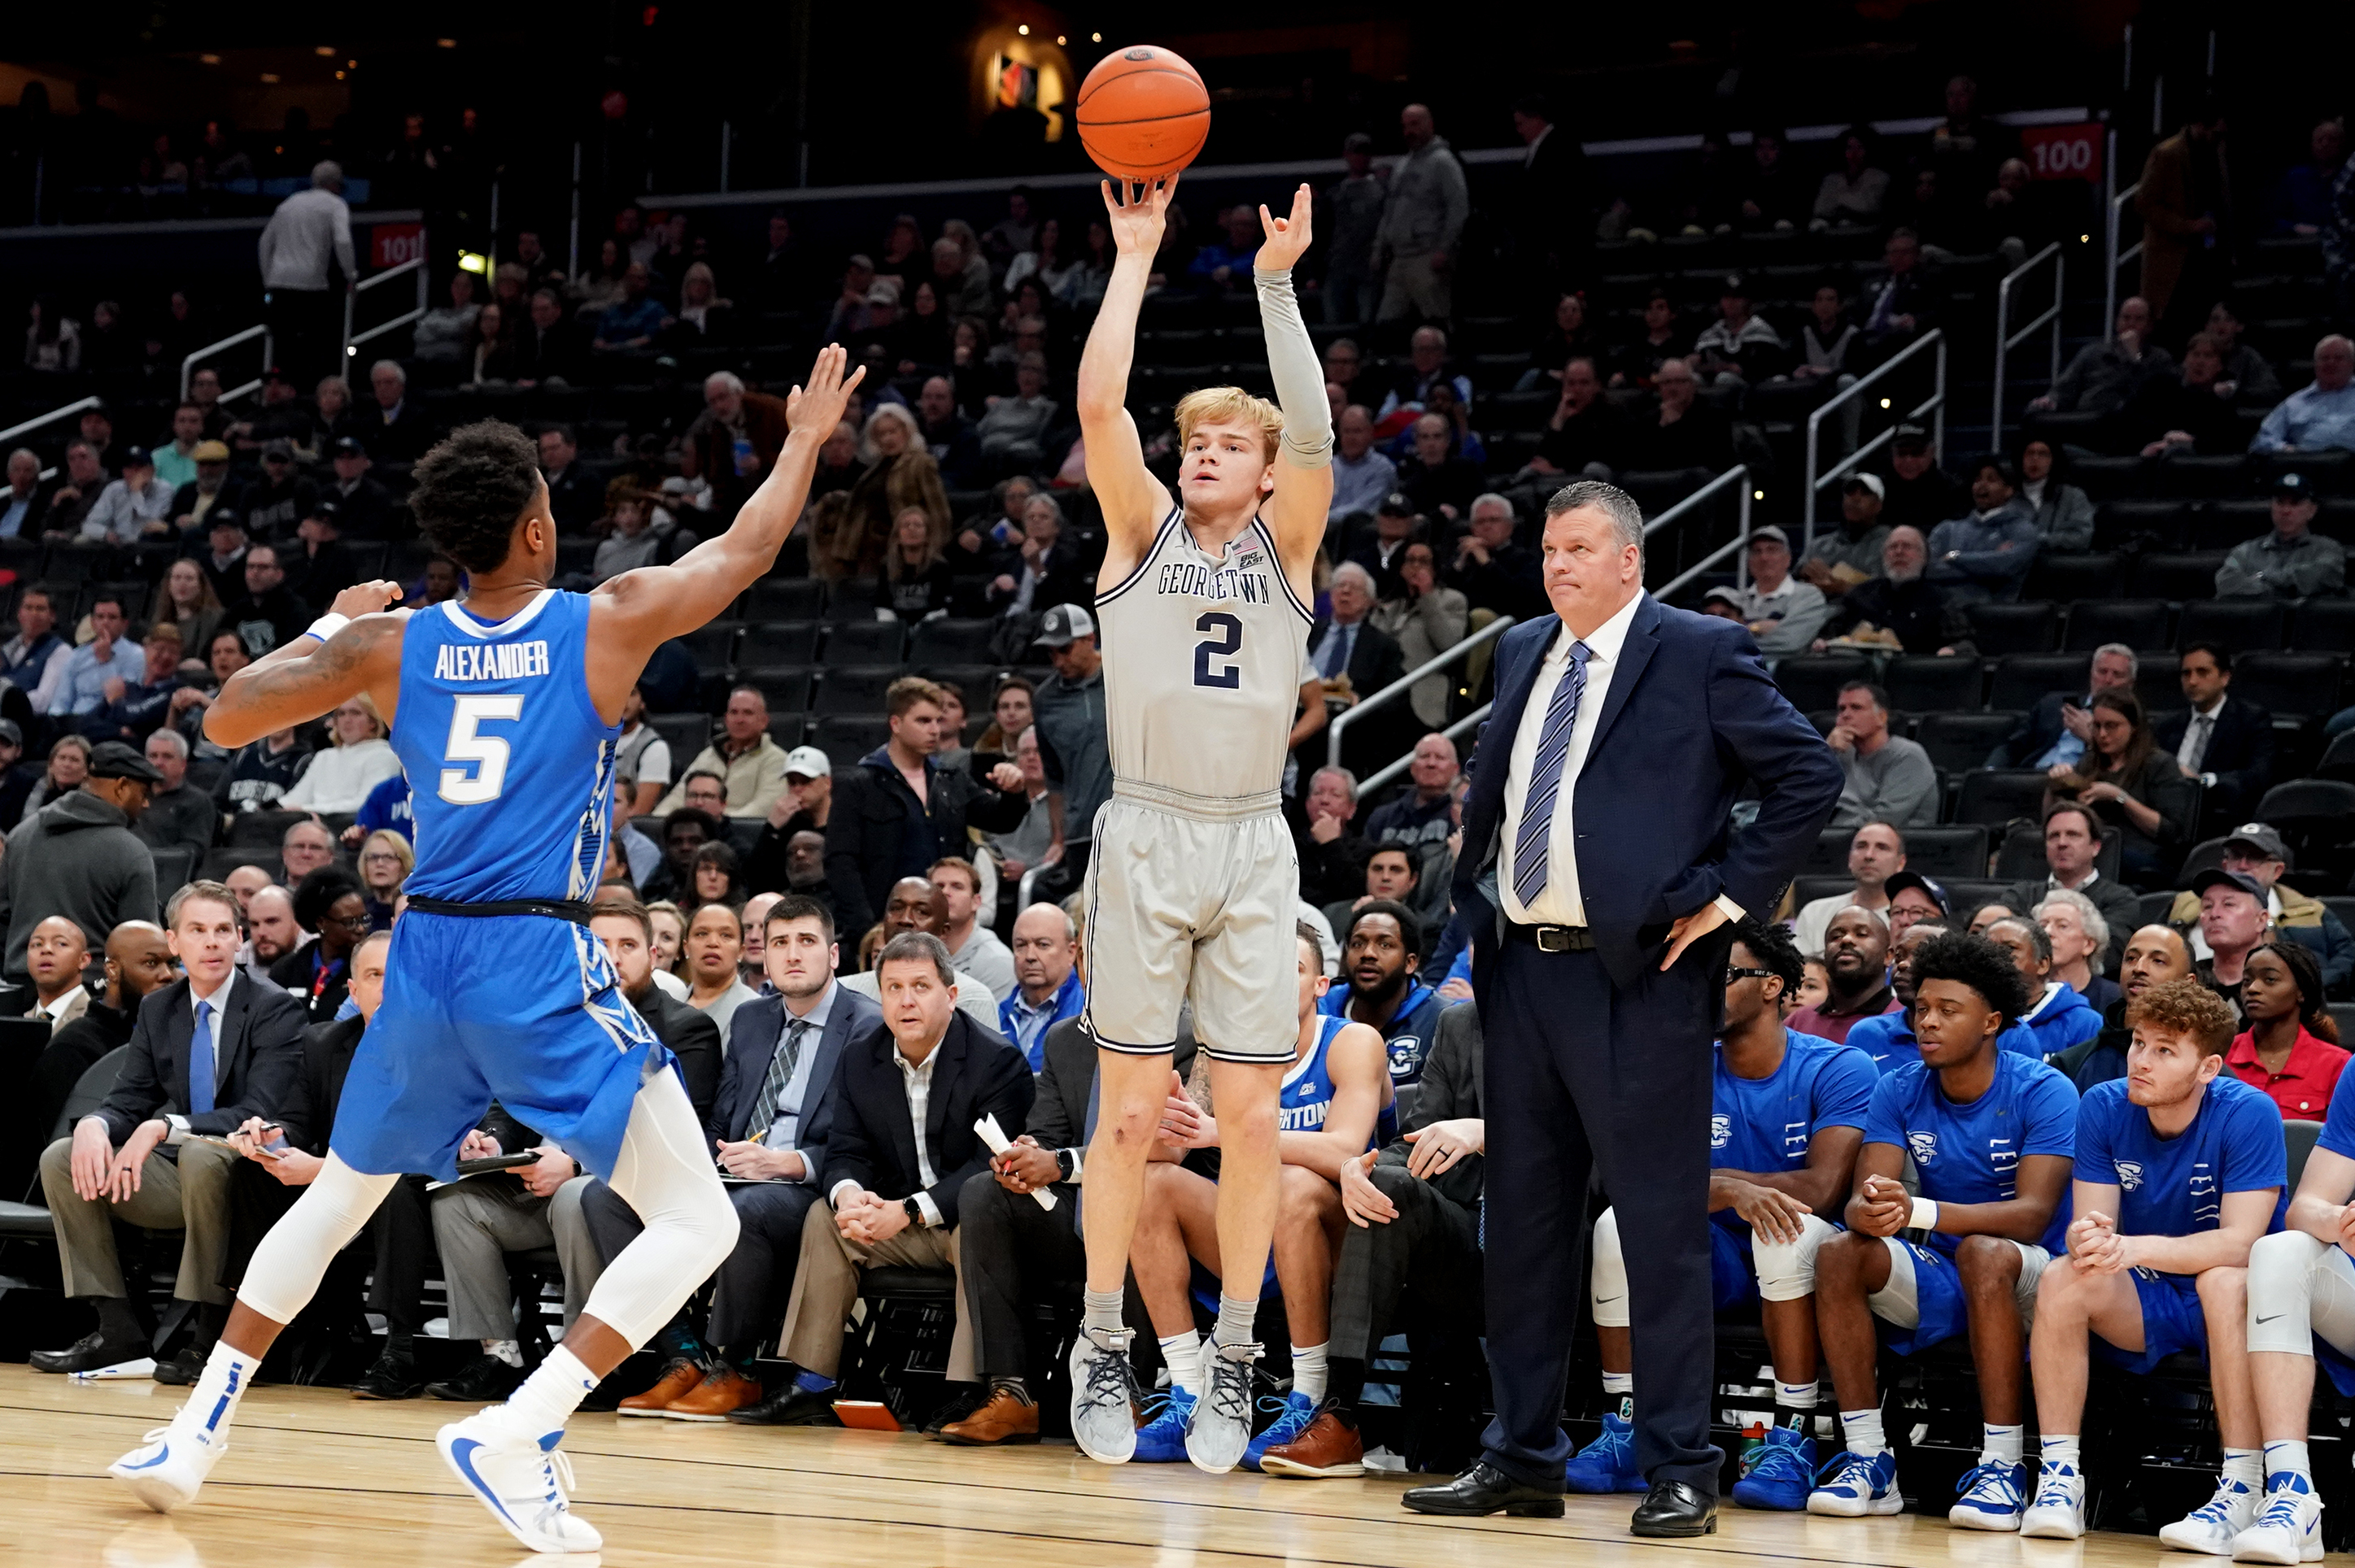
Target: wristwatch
(915, 1211)
(1066, 1160)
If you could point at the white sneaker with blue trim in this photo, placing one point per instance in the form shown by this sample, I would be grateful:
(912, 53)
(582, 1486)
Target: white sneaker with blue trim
(2058, 1512)
(1990, 1496)
(523, 1483)
(2213, 1527)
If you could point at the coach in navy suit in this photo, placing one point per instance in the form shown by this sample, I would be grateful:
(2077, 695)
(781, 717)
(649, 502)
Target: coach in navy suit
(1598, 879)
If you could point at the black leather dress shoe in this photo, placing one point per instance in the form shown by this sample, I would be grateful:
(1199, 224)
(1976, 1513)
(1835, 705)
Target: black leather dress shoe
(485, 1380)
(791, 1407)
(183, 1369)
(1484, 1489)
(1675, 1508)
(88, 1353)
(394, 1376)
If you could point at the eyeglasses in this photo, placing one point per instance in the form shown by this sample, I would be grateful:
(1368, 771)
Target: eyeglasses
(1732, 974)
(348, 922)
(381, 857)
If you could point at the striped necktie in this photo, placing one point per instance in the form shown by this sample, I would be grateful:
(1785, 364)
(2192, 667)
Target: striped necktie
(781, 1075)
(1530, 848)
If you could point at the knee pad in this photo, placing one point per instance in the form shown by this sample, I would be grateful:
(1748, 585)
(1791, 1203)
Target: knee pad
(2282, 1272)
(1610, 1286)
(1786, 1271)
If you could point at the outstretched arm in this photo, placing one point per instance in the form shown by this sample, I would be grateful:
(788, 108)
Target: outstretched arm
(1133, 499)
(316, 672)
(1304, 467)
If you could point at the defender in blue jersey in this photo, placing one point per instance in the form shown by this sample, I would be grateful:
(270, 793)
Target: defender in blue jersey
(1333, 1103)
(505, 709)
(1786, 1119)
(2179, 1172)
(1991, 1134)
(1381, 948)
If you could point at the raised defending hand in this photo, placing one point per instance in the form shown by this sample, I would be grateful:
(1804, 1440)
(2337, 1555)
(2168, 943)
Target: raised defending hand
(1137, 220)
(818, 405)
(365, 598)
(1287, 238)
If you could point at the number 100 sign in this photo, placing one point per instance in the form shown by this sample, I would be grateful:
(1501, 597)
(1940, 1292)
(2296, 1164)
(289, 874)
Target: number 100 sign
(2063, 152)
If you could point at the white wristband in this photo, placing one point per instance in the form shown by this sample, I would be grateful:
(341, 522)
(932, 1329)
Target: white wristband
(327, 625)
(1924, 1217)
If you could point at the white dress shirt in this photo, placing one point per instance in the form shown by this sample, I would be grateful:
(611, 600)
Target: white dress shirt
(1560, 903)
(782, 1133)
(2199, 732)
(919, 1080)
(219, 1000)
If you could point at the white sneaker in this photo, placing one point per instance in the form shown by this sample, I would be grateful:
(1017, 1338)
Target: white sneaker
(1221, 1427)
(2287, 1529)
(1104, 1395)
(2213, 1527)
(2058, 1512)
(523, 1483)
(170, 1466)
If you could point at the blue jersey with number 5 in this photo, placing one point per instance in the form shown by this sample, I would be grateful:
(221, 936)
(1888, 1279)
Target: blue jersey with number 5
(510, 768)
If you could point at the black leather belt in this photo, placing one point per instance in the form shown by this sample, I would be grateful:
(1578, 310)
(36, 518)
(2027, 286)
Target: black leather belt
(553, 908)
(1544, 938)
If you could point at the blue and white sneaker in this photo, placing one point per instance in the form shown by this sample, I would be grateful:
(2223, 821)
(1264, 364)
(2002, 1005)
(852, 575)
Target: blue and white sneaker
(2214, 1525)
(1295, 1411)
(2287, 1529)
(525, 1484)
(1608, 1464)
(169, 1466)
(2058, 1512)
(1990, 1497)
(1782, 1471)
(1853, 1486)
(1161, 1439)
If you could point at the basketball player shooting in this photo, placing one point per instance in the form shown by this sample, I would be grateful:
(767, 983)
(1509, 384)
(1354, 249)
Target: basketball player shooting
(504, 708)
(1193, 886)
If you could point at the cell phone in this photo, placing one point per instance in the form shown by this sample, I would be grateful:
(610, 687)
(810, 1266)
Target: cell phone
(497, 1162)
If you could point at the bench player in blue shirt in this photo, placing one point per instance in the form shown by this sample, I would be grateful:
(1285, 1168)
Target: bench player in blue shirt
(2179, 1169)
(1786, 1119)
(505, 709)
(1992, 1133)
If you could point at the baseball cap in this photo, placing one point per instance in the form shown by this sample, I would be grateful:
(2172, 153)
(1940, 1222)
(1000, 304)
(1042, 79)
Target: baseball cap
(1724, 594)
(10, 735)
(113, 759)
(807, 762)
(2218, 877)
(326, 511)
(350, 446)
(210, 451)
(283, 450)
(1770, 532)
(1735, 284)
(1396, 505)
(1910, 434)
(1870, 482)
(2258, 836)
(1914, 879)
(138, 457)
(1060, 626)
(2293, 485)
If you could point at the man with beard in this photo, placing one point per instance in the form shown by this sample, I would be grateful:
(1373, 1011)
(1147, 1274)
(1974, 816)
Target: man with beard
(1855, 960)
(685, 831)
(1382, 948)
(1900, 600)
(913, 904)
(271, 931)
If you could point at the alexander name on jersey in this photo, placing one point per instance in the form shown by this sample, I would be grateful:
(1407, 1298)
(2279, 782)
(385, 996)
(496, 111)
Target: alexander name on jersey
(1191, 580)
(489, 660)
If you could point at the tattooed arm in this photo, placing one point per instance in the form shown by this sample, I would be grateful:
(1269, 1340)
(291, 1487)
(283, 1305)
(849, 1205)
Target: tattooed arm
(307, 678)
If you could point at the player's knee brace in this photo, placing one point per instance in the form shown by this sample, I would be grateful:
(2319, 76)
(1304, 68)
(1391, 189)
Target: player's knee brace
(286, 1267)
(2282, 1273)
(1610, 1286)
(1786, 1270)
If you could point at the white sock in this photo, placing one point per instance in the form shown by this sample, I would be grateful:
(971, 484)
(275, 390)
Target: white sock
(1182, 1353)
(1235, 1319)
(508, 1350)
(2288, 1458)
(548, 1397)
(2001, 1444)
(2060, 1449)
(1308, 1372)
(228, 1374)
(2247, 1466)
(1620, 1388)
(1863, 1430)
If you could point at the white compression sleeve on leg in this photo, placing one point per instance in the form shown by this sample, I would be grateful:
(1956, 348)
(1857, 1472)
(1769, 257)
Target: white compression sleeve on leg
(664, 1174)
(1299, 379)
(1787, 1272)
(2298, 1289)
(1609, 1288)
(286, 1267)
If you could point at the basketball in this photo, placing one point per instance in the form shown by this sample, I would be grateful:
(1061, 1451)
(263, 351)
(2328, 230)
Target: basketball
(1143, 113)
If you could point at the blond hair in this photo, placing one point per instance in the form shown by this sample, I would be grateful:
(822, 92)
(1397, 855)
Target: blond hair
(1226, 405)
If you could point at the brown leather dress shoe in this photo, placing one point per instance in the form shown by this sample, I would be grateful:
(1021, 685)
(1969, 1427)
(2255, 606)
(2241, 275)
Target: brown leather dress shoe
(1326, 1451)
(1005, 1419)
(679, 1379)
(721, 1391)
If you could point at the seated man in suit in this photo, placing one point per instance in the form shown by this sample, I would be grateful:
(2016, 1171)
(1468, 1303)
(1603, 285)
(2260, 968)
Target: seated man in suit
(2061, 724)
(138, 959)
(477, 1221)
(1336, 1103)
(891, 1196)
(2224, 742)
(1992, 1133)
(1411, 1256)
(2179, 1169)
(207, 1055)
(1786, 1119)
(1347, 644)
(2072, 842)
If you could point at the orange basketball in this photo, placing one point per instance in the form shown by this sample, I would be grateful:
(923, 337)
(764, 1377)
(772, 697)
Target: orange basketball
(1143, 113)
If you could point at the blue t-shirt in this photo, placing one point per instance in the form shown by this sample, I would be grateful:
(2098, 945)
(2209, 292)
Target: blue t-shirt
(1971, 1153)
(1766, 1124)
(2175, 1186)
(2338, 1123)
(386, 806)
(1889, 1041)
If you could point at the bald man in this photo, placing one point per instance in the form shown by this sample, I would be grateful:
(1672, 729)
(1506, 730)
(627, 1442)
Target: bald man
(137, 961)
(271, 932)
(245, 881)
(913, 904)
(55, 956)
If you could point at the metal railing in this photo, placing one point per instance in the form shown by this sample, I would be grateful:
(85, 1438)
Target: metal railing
(2119, 201)
(2007, 340)
(1738, 475)
(188, 365)
(352, 341)
(1935, 405)
(66, 411)
(1397, 691)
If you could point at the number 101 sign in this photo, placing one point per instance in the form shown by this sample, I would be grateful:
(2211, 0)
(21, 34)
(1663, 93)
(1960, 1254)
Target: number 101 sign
(2063, 152)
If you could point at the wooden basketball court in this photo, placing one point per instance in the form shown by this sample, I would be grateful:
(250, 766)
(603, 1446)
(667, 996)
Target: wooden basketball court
(315, 1478)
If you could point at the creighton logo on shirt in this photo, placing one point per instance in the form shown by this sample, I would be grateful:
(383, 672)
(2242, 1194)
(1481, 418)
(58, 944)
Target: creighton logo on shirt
(1924, 1146)
(1720, 1131)
(2129, 1174)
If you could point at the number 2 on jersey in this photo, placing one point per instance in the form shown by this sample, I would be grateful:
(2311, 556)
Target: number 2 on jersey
(487, 753)
(1231, 676)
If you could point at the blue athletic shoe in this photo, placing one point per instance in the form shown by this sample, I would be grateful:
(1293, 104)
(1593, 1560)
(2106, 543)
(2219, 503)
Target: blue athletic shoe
(1782, 1472)
(1608, 1464)
(1853, 1486)
(1295, 1411)
(1161, 1439)
(1990, 1497)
